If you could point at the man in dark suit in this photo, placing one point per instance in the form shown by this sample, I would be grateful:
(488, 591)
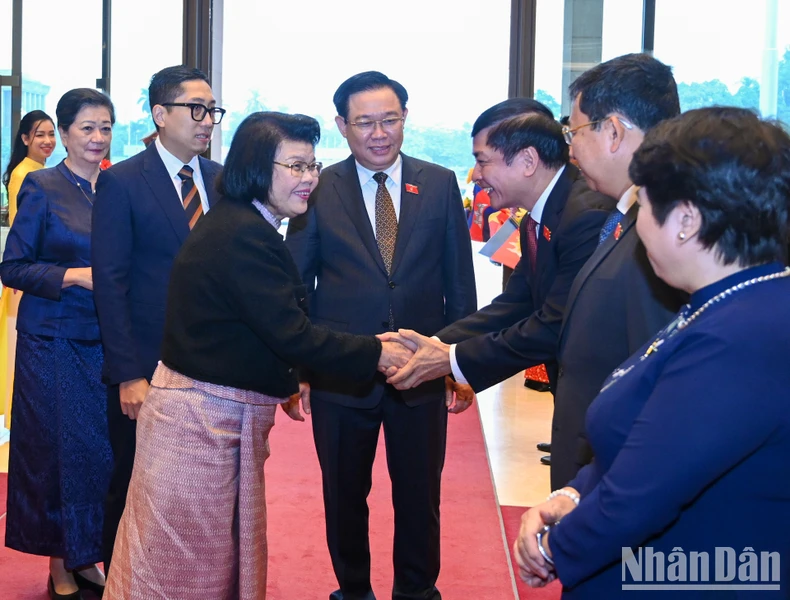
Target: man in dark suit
(383, 245)
(523, 160)
(145, 208)
(617, 302)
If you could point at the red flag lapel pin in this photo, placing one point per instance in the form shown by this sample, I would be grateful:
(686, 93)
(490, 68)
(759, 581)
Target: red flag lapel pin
(412, 189)
(547, 233)
(618, 231)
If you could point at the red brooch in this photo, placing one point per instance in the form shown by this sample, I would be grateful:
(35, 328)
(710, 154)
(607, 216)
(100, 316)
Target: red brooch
(105, 164)
(618, 231)
(412, 189)
(547, 233)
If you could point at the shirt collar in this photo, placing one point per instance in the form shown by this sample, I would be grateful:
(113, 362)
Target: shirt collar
(537, 211)
(172, 163)
(627, 200)
(393, 172)
(267, 214)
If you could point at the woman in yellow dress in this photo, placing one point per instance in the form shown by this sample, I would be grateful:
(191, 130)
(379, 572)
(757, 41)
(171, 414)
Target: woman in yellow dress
(33, 145)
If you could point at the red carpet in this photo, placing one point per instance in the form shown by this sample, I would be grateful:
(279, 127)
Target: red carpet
(474, 562)
(511, 516)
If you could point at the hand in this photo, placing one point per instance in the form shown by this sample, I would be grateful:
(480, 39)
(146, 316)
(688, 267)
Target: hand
(291, 407)
(393, 356)
(532, 566)
(430, 361)
(463, 393)
(132, 396)
(81, 276)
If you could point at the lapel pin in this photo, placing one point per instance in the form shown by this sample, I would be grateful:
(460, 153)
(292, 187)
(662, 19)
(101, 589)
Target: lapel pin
(547, 233)
(412, 189)
(618, 231)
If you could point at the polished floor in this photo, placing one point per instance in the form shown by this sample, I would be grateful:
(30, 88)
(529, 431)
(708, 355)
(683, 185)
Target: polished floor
(514, 420)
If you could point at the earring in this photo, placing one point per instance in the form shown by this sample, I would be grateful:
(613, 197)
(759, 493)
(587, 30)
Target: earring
(681, 236)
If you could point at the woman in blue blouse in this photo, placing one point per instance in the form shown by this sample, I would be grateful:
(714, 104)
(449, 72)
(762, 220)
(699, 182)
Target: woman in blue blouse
(692, 434)
(60, 455)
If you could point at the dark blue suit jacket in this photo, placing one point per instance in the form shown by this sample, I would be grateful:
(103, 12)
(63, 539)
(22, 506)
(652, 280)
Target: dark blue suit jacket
(519, 329)
(51, 233)
(432, 282)
(139, 226)
(692, 447)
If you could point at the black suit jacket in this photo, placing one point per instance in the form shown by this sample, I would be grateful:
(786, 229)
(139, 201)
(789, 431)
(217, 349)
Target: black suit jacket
(139, 225)
(520, 327)
(616, 303)
(432, 282)
(236, 311)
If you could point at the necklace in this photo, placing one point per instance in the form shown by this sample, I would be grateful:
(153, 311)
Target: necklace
(682, 321)
(78, 184)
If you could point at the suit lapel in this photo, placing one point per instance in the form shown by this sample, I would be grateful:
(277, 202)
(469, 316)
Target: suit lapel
(550, 219)
(346, 185)
(164, 191)
(209, 171)
(410, 204)
(627, 226)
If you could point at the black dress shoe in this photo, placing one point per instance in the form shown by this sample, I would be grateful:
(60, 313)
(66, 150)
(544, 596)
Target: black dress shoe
(544, 447)
(55, 596)
(86, 584)
(545, 460)
(538, 386)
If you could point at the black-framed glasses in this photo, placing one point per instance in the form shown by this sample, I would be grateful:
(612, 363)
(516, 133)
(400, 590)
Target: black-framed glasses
(298, 168)
(568, 133)
(199, 111)
(390, 124)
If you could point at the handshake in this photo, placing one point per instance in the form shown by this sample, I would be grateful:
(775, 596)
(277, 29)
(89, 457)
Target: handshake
(409, 359)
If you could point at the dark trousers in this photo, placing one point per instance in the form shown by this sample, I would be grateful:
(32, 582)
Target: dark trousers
(415, 438)
(123, 442)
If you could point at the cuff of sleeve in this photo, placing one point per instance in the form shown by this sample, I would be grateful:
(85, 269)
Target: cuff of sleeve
(457, 375)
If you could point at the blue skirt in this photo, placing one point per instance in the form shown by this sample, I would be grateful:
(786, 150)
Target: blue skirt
(60, 458)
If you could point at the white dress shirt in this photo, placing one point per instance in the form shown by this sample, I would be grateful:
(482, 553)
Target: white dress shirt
(369, 187)
(173, 165)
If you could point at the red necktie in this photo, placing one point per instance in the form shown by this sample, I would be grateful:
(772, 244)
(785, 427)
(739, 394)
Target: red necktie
(532, 242)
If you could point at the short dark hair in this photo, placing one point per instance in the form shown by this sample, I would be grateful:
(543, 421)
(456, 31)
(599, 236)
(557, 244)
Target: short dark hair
(27, 126)
(365, 82)
(730, 164)
(506, 109)
(535, 130)
(73, 101)
(166, 84)
(247, 173)
(637, 86)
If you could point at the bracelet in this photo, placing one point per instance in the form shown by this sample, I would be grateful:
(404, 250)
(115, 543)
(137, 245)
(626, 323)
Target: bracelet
(541, 549)
(566, 493)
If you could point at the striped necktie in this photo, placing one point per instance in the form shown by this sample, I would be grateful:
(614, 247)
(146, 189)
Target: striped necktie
(532, 242)
(190, 197)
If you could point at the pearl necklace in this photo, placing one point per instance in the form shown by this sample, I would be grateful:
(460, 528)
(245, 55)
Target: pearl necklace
(78, 184)
(682, 322)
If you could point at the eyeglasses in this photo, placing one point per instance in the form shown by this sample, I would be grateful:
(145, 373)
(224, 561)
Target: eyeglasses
(390, 124)
(298, 168)
(568, 133)
(199, 111)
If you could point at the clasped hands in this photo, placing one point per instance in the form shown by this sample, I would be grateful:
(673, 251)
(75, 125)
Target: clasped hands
(532, 566)
(409, 359)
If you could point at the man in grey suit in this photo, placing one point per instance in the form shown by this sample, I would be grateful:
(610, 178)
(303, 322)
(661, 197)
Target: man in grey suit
(616, 302)
(383, 245)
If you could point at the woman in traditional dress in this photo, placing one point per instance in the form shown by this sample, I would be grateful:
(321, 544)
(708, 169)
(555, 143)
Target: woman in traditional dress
(692, 434)
(194, 526)
(60, 456)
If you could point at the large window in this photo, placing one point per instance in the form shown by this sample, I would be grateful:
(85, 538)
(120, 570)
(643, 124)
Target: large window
(574, 35)
(728, 52)
(452, 58)
(146, 37)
